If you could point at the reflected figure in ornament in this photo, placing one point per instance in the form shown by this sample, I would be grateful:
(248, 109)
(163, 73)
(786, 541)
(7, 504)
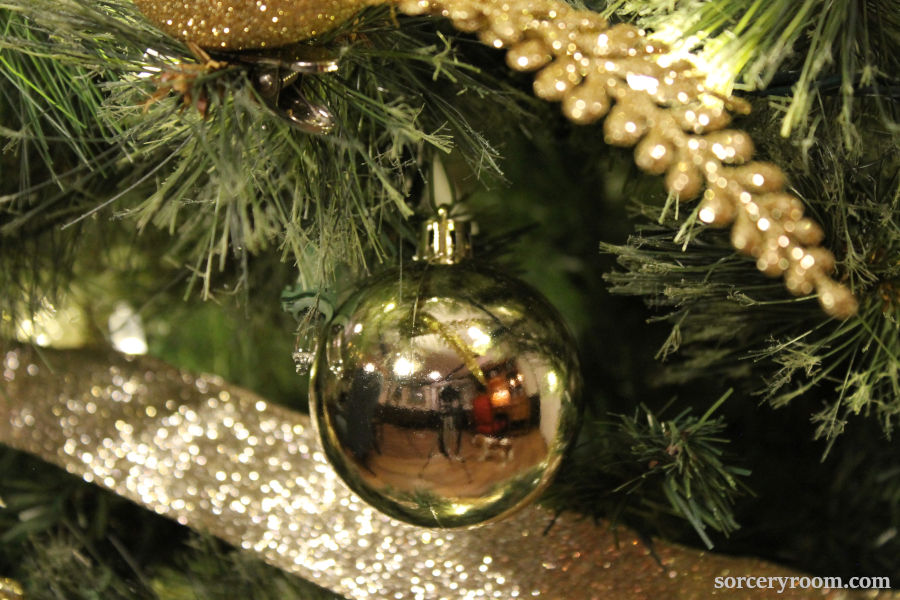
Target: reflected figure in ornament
(453, 421)
(445, 438)
(362, 403)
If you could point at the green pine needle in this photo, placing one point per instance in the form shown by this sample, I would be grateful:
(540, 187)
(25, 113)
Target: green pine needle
(96, 135)
(645, 468)
(727, 319)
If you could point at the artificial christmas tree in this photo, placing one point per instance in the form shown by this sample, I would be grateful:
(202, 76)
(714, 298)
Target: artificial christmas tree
(270, 154)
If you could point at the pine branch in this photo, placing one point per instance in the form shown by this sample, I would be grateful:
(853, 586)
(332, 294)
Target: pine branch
(642, 467)
(726, 319)
(211, 165)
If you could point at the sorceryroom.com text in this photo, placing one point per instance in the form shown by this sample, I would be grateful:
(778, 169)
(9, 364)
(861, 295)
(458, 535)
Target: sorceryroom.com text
(780, 584)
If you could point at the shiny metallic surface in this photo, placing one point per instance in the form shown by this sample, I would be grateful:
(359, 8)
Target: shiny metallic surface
(282, 94)
(446, 395)
(445, 240)
(10, 589)
(302, 59)
(305, 115)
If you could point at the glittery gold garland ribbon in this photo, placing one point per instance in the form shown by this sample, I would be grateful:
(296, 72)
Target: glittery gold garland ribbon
(219, 459)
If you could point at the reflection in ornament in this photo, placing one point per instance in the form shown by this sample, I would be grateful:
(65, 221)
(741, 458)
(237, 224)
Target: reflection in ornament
(448, 396)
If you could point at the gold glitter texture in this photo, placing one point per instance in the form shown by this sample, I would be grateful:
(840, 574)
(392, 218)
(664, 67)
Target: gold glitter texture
(220, 459)
(658, 102)
(245, 24)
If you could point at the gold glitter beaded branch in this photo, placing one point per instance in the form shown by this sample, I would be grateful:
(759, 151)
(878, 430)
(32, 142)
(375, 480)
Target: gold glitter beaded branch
(658, 102)
(651, 98)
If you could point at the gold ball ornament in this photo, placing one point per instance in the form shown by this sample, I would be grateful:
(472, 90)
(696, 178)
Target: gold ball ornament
(446, 394)
(247, 24)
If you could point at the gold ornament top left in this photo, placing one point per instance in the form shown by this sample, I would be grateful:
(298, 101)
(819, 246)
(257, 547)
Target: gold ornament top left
(247, 24)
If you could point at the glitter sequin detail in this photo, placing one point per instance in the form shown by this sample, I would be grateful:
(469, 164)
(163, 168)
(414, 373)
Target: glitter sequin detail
(218, 458)
(658, 101)
(244, 24)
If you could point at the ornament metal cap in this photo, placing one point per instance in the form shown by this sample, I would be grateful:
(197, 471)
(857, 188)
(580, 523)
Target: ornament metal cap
(445, 240)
